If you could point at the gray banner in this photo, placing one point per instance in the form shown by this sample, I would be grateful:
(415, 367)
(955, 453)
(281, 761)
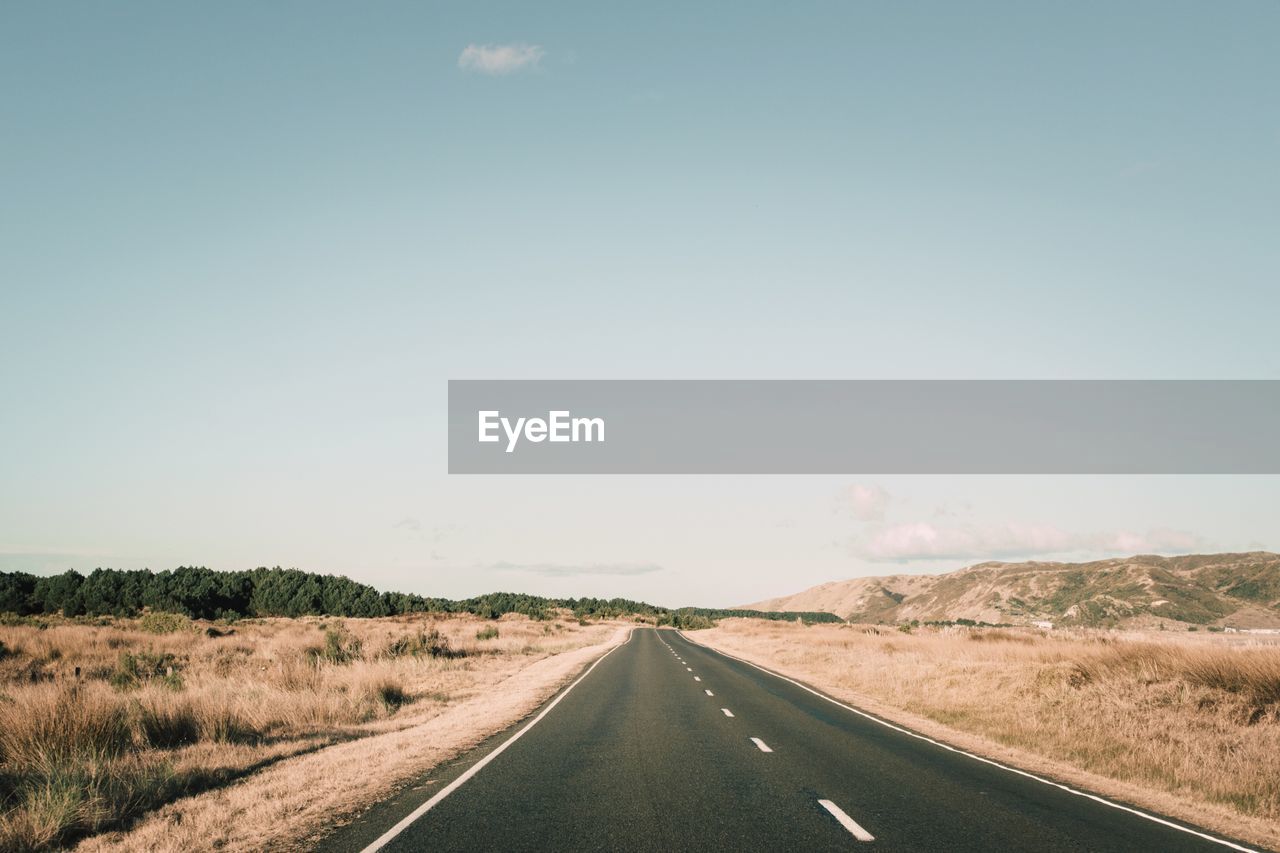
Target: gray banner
(864, 427)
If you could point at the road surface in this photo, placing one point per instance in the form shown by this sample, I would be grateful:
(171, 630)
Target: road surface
(665, 745)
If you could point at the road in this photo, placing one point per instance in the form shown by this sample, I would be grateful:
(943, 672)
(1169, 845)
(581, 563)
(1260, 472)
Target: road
(666, 745)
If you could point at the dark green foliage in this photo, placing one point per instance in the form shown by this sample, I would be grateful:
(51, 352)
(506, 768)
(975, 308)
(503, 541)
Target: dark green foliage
(200, 593)
(16, 592)
(967, 623)
(687, 621)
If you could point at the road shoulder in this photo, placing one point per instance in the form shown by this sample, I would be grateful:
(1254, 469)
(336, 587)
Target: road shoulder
(294, 804)
(1221, 821)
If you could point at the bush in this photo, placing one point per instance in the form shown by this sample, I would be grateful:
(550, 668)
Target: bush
(489, 632)
(391, 694)
(339, 647)
(164, 623)
(134, 670)
(424, 643)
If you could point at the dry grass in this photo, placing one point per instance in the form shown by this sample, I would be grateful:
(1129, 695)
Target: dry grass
(164, 708)
(1194, 719)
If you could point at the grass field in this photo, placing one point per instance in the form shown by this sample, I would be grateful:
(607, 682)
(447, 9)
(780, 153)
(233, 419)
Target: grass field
(103, 722)
(1194, 720)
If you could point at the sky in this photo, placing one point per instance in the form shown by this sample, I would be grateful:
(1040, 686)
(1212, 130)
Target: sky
(243, 247)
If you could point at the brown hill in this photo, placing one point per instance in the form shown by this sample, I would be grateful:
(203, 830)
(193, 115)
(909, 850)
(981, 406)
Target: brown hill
(1237, 590)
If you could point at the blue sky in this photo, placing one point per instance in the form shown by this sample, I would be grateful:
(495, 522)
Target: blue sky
(245, 245)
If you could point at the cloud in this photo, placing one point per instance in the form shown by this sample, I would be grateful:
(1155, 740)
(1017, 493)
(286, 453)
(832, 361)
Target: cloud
(560, 570)
(499, 59)
(867, 503)
(925, 541)
(1159, 540)
(408, 523)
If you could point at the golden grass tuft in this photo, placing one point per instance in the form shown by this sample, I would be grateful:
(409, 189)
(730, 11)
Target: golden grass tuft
(1195, 717)
(103, 721)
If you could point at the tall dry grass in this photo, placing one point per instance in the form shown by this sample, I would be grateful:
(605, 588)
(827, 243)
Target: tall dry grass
(101, 722)
(1195, 717)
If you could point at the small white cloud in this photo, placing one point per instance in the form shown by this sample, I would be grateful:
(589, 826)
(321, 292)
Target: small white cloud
(499, 59)
(867, 503)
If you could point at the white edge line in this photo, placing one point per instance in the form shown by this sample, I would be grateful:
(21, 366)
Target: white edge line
(847, 822)
(949, 748)
(409, 819)
(764, 747)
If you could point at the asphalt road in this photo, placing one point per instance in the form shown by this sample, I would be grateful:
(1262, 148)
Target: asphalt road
(666, 745)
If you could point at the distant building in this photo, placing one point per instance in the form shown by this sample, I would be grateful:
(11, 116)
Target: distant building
(1048, 626)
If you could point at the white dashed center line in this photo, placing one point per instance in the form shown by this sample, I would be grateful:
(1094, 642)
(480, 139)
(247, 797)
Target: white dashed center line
(708, 692)
(727, 712)
(696, 678)
(847, 822)
(764, 747)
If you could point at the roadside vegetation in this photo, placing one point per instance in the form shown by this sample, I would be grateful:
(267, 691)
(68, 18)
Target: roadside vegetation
(200, 593)
(1193, 718)
(103, 720)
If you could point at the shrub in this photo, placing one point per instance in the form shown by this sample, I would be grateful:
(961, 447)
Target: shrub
(339, 646)
(391, 694)
(164, 623)
(424, 643)
(136, 669)
(489, 632)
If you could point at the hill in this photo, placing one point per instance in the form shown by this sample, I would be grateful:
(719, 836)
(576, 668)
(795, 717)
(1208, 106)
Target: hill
(1238, 590)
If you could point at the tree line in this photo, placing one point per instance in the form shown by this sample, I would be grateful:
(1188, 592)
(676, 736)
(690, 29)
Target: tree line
(202, 593)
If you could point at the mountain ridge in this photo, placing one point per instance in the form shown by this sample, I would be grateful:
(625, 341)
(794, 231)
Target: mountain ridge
(1230, 590)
